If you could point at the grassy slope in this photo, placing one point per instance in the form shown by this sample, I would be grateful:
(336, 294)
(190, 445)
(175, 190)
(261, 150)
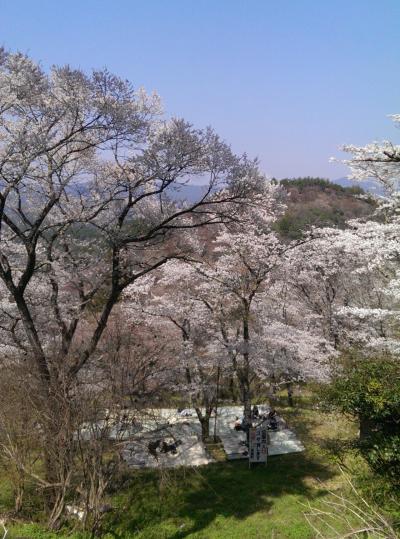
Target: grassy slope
(227, 500)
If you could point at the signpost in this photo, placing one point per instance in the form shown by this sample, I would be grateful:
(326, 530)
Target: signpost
(258, 444)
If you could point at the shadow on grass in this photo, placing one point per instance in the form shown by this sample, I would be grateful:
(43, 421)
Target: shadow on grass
(198, 497)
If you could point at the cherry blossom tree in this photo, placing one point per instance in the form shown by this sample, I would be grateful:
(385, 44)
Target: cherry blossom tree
(267, 333)
(245, 259)
(366, 308)
(170, 301)
(377, 160)
(87, 169)
(292, 346)
(232, 298)
(371, 249)
(316, 280)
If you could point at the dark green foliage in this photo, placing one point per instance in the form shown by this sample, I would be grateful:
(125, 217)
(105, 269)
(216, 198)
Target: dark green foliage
(369, 389)
(293, 225)
(321, 183)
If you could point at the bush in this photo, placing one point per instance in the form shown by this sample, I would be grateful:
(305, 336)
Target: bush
(294, 224)
(369, 389)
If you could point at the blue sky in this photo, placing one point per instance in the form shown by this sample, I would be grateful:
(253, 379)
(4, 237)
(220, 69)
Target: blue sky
(288, 81)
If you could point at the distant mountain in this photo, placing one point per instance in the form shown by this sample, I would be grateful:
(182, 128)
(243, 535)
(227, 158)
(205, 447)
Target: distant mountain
(371, 186)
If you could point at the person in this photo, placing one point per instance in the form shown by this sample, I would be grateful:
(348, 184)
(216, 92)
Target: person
(238, 424)
(170, 447)
(152, 448)
(272, 420)
(256, 413)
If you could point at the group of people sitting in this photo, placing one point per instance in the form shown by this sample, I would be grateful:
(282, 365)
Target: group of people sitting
(184, 412)
(271, 418)
(161, 446)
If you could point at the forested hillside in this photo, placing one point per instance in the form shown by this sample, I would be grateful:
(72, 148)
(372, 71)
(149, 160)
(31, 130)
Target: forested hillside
(318, 202)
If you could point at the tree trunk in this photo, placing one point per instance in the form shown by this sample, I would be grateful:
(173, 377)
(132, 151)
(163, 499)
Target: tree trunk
(289, 388)
(204, 422)
(57, 475)
(19, 496)
(367, 427)
(272, 392)
(245, 374)
(246, 401)
(205, 429)
(216, 409)
(58, 419)
(232, 389)
(57, 510)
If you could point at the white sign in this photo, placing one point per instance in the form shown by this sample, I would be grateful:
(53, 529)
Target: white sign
(258, 444)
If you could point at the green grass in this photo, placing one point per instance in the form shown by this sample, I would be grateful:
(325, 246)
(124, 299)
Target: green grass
(226, 500)
(223, 501)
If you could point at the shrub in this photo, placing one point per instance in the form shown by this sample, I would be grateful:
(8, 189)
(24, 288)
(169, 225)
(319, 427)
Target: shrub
(369, 390)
